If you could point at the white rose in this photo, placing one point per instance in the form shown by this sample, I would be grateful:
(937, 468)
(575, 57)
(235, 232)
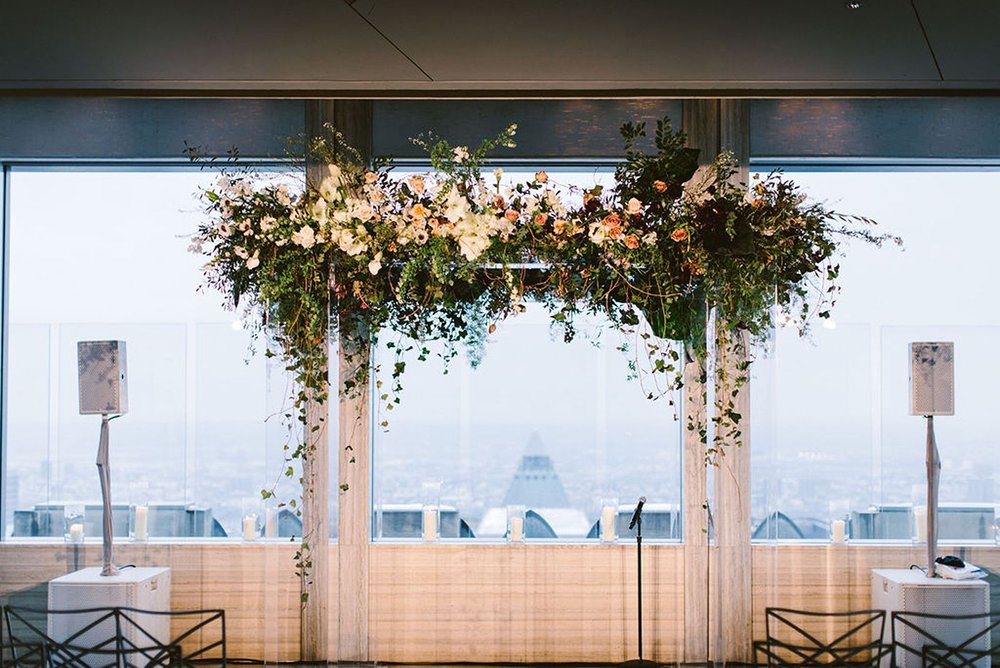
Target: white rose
(456, 206)
(305, 237)
(376, 264)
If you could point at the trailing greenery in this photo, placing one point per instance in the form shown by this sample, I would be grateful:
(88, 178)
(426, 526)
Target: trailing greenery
(443, 256)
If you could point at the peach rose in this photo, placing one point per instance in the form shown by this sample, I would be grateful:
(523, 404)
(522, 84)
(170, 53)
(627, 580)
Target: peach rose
(612, 221)
(419, 211)
(559, 225)
(511, 215)
(541, 177)
(659, 186)
(680, 234)
(371, 177)
(498, 202)
(634, 206)
(416, 183)
(541, 218)
(632, 241)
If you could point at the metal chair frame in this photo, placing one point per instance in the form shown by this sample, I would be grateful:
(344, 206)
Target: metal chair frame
(37, 649)
(937, 653)
(812, 651)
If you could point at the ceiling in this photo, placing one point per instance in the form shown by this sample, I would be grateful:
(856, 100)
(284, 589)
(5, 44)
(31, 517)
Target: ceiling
(515, 48)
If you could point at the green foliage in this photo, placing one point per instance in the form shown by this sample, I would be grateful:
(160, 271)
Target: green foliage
(446, 255)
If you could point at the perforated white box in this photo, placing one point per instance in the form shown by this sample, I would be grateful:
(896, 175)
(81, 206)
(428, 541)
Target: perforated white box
(911, 590)
(143, 588)
(932, 378)
(101, 370)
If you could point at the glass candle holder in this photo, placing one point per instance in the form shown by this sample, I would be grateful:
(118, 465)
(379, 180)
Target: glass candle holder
(609, 520)
(515, 524)
(838, 531)
(430, 515)
(249, 528)
(271, 523)
(73, 522)
(138, 521)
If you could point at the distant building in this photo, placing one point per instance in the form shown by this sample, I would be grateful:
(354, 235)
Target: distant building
(537, 487)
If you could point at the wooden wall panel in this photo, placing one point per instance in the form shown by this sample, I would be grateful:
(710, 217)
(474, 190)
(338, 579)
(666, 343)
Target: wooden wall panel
(254, 583)
(523, 603)
(451, 602)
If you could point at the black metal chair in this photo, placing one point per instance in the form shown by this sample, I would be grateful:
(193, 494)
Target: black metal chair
(117, 637)
(807, 638)
(945, 641)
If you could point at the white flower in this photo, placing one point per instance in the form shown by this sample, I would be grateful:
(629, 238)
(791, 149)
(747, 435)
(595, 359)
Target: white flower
(267, 223)
(497, 174)
(319, 211)
(634, 206)
(329, 189)
(456, 206)
(649, 238)
(472, 245)
(241, 252)
(364, 212)
(461, 153)
(281, 195)
(254, 261)
(376, 264)
(305, 237)
(598, 233)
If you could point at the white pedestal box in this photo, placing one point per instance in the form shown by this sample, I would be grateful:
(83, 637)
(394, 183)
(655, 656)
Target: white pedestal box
(909, 590)
(143, 588)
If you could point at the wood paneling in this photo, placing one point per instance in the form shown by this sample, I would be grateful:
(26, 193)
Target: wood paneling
(451, 602)
(523, 603)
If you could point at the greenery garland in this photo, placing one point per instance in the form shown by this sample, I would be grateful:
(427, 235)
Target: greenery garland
(445, 255)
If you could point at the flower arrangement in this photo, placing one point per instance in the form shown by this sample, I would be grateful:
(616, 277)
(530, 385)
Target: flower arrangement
(447, 254)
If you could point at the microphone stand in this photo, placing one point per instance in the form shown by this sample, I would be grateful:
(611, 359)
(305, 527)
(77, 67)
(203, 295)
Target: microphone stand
(637, 523)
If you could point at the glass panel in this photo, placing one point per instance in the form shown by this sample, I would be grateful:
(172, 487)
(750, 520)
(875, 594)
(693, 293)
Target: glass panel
(833, 438)
(194, 445)
(552, 434)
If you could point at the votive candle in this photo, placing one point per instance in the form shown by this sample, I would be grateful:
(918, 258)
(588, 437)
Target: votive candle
(838, 531)
(608, 516)
(141, 522)
(516, 529)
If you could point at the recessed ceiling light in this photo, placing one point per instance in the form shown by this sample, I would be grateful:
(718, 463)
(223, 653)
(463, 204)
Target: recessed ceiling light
(853, 4)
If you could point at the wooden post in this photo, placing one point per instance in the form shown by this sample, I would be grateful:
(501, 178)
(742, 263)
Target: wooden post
(353, 120)
(725, 570)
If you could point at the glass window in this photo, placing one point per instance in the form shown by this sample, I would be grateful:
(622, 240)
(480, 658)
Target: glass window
(102, 255)
(833, 438)
(554, 433)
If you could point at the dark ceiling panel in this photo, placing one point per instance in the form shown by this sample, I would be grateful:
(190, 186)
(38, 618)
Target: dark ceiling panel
(553, 129)
(121, 41)
(937, 129)
(652, 40)
(965, 36)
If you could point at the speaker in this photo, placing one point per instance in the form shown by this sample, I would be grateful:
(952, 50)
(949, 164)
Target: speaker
(932, 378)
(101, 367)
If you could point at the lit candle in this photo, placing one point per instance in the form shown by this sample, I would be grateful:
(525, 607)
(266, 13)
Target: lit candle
(430, 524)
(920, 523)
(141, 522)
(608, 515)
(517, 529)
(249, 527)
(838, 531)
(76, 532)
(271, 523)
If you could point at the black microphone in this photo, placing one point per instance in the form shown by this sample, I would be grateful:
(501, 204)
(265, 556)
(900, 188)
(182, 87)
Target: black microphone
(638, 511)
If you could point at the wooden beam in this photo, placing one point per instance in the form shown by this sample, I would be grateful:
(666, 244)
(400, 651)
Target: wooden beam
(732, 479)
(351, 121)
(314, 627)
(699, 122)
(722, 572)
